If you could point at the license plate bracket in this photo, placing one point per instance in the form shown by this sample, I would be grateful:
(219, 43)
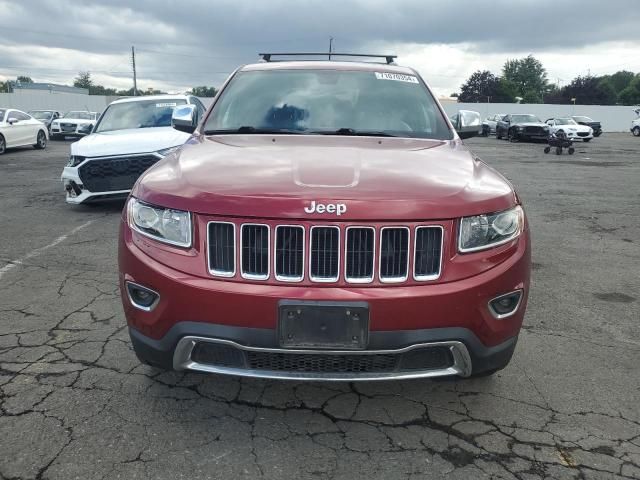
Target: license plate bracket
(323, 325)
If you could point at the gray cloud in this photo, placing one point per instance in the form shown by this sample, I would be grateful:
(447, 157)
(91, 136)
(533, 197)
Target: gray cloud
(199, 42)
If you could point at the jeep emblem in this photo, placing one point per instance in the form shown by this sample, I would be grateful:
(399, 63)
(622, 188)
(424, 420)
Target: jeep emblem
(337, 208)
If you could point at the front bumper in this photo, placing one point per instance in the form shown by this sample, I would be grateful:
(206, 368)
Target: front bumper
(450, 314)
(78, 131)
(575, 136)
(243, 345)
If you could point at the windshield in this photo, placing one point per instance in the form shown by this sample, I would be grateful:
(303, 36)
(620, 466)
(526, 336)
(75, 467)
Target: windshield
(565, 121)
(525, 119)
(327, 102)
(139, 114)
(41, 115)
(583, 119)
(80, 115)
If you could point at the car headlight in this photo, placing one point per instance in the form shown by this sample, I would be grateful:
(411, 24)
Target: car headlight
(163, 224)
(520, 128)
(75, 160)
(488, 231)
(166, 151)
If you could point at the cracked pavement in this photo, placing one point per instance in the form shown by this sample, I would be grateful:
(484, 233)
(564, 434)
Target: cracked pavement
(76, 403)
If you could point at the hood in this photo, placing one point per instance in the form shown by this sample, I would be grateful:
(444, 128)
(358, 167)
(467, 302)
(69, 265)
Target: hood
(136, 140)
(278, 177)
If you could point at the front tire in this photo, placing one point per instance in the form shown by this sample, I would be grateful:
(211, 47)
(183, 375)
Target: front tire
(3, 145)
(636, 131)
(547, 149)
(41, 141)
(511, 136)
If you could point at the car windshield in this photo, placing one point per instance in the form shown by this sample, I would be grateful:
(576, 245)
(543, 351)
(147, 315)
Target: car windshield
(138, 114)
(340, 102)
(582, 119)
(525, 119)
(565, 121)
(41, 115)
(80, 115)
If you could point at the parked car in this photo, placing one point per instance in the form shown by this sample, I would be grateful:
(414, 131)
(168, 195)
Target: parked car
(467, 123)
(489, 124)
(521, 126)
(570, 128)
(324, 222)
(589, 122)
(635, 124)
(131, 135)
(73, 124)
(45, 116)
(19, 129)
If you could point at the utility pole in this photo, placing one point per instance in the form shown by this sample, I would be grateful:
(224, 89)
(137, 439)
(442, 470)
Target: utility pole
(133, 64)
(330, 46)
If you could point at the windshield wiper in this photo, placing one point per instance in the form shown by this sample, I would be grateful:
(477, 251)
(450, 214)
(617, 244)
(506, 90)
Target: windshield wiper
(354, 133)
(253, 130)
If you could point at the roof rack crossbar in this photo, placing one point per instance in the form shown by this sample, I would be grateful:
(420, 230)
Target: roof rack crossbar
(267, 56)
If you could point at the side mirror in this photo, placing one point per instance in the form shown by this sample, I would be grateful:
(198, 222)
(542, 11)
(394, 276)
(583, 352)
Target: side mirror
(468, 124)
(183, 118)
(12, 120)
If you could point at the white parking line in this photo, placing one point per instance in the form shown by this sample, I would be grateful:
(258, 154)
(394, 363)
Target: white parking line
(38, 251)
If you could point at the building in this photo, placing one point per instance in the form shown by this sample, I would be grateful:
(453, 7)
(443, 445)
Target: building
(50, 87)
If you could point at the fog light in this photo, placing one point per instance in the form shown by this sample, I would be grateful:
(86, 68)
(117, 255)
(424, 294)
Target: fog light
(505, 305)
(141, 297)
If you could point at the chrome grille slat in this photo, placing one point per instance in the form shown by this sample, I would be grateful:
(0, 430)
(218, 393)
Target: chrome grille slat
(428, 253)
(222, 249)
(359, 254)
(254, 253)
(324, 259)
(394, 254)
(289, 255)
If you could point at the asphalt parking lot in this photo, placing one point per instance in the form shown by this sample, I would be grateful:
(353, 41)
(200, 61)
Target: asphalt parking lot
(75, 402)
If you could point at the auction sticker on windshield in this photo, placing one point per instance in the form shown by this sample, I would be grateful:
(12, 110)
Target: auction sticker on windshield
(160, 105)
(398, 77)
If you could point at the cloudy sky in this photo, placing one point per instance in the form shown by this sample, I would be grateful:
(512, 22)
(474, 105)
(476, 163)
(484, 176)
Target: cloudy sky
(184, 43)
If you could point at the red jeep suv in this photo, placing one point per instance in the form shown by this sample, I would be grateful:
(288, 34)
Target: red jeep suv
(324, 222)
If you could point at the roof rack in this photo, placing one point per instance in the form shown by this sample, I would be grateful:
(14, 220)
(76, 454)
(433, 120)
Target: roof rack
(267, 56)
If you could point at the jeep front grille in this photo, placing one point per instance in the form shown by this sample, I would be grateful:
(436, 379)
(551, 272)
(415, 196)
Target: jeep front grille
(325, 254)
(394, 254)
(255, 251)
(428, 244)
(360, 254)
(222, 249)
(289, 258)
(318, 252)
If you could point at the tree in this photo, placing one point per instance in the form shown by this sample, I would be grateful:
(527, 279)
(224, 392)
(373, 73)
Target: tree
(83, 80)
(528, 76)
(590, 91)
(5, 87)
(621, 80)
(24, 79)
(204, 91)
(631, 94)
(479, 87)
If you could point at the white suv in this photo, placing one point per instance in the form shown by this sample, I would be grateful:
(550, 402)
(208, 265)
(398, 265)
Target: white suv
(131, 135)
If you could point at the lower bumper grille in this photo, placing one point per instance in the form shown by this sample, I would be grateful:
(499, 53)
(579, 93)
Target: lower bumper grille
(583, 134)
(223, 356)
(114, 173)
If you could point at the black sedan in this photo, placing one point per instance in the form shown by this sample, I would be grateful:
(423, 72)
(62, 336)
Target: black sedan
(589, 122)
(521, 126)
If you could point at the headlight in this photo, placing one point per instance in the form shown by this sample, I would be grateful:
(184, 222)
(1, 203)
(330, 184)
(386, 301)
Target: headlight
(162, 224)
(520, 128)
(167, 151)
(75, 160)
(487, 231)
